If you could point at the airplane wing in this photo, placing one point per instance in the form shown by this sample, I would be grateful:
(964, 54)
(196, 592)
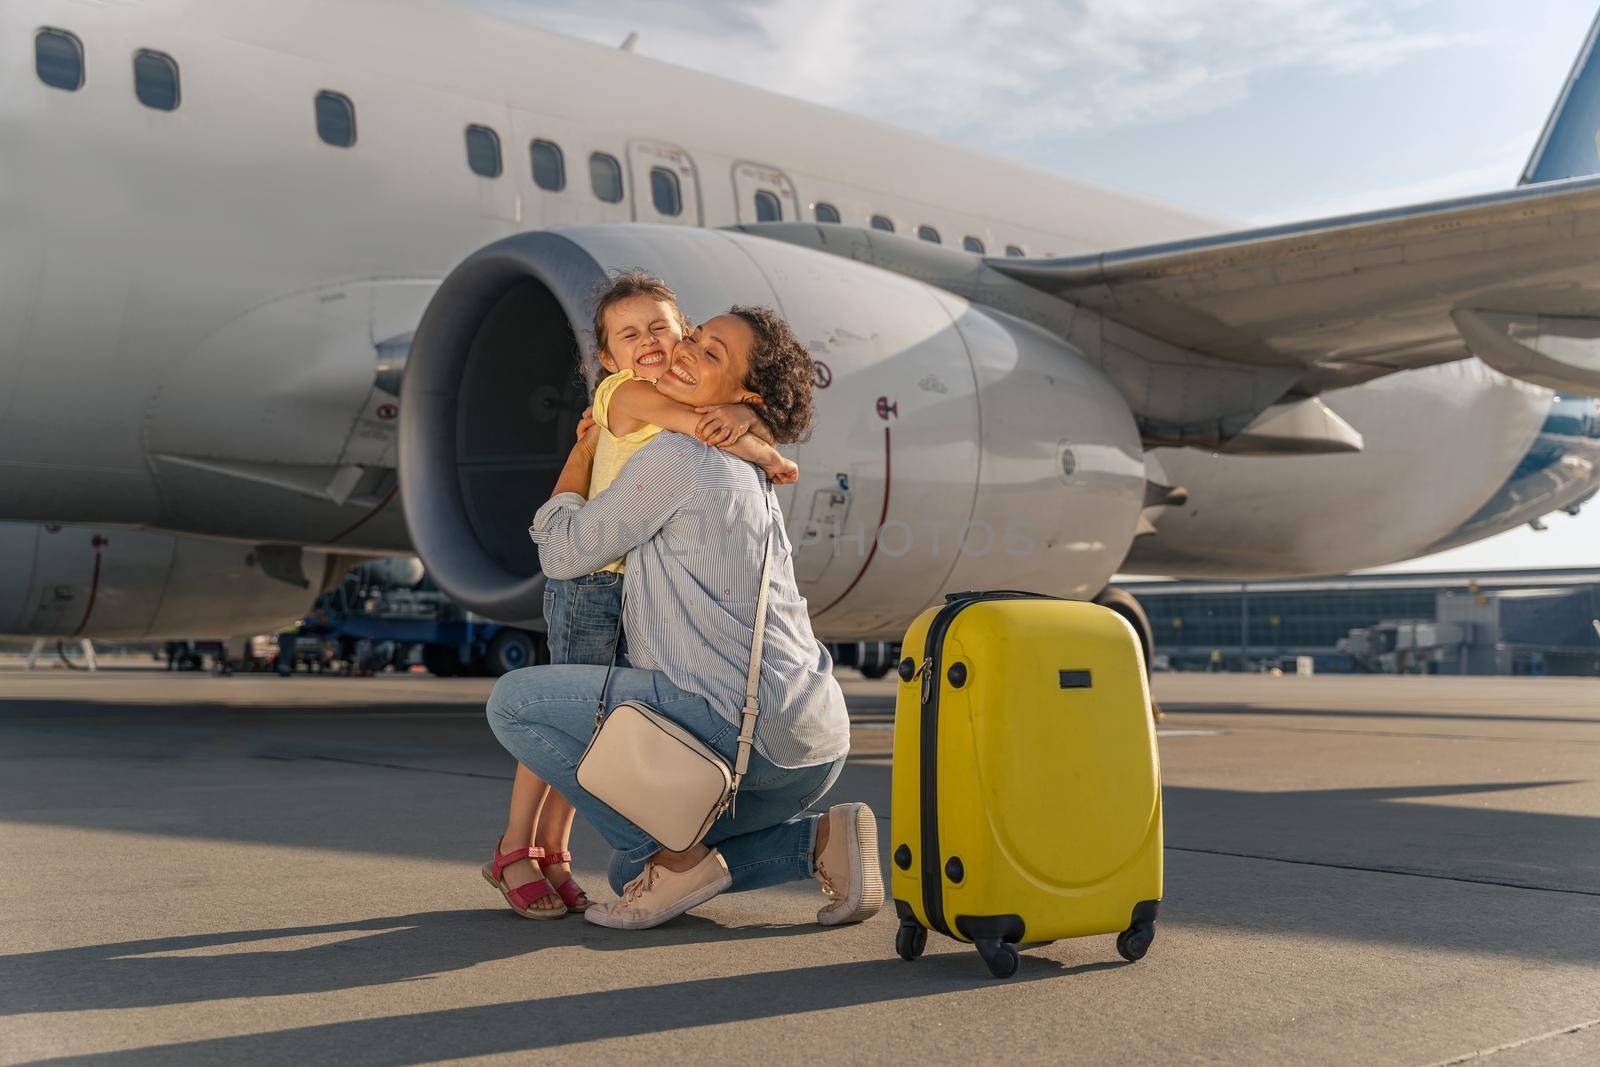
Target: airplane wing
(1513, 277)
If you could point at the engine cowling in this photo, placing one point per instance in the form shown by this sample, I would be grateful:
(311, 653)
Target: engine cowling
(955, 446)
(135, 585)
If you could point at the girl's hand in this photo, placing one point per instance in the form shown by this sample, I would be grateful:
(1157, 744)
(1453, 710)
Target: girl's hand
(586, 423)
(723, 424)
(783, 472)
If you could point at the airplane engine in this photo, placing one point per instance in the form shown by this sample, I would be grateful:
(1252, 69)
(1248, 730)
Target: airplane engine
(954, 446)
(133, 585)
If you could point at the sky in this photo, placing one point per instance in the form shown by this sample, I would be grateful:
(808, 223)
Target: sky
(1252, 110)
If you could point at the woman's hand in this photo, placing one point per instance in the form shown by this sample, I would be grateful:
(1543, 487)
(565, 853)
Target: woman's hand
(723, 424)
(586, 423)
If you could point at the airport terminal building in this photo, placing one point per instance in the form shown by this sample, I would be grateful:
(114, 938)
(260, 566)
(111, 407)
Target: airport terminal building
(1449, 622)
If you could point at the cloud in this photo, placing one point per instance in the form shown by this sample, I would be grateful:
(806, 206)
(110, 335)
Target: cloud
(1004, 72)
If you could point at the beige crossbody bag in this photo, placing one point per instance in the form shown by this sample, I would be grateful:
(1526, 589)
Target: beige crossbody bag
(656, 774)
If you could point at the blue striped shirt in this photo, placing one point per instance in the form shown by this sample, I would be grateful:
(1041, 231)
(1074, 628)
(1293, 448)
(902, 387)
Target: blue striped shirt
(692, 521)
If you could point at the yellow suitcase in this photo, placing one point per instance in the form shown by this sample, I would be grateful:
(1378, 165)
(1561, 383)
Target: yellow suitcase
(1026, 798)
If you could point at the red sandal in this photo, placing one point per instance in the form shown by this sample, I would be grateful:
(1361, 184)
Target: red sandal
(569, 891)
(523, 897)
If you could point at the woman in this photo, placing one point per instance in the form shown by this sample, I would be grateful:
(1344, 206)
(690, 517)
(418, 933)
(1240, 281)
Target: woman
(693, 522)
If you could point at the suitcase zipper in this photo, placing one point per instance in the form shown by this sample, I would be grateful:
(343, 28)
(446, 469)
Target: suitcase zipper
(932, 865)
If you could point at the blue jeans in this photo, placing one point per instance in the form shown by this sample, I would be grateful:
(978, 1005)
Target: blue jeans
(545, 716)
(584, 616)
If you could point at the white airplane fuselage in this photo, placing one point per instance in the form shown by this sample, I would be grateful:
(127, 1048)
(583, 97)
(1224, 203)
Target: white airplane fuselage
(195, 304)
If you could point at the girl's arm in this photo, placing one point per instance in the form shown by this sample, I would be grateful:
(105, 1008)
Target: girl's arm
(779, 468)
(636, 403)
(723, 424)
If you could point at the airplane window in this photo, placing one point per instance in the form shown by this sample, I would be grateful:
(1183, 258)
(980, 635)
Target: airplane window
(972, 244)
(483, 151)
(58, 59)
(1015, 250)
(605, 177)
(549, 166)
(336, 119)
(767, 207)
(883, 222)
(826, 212)
(155, 80)
(664, 191)
(928, 233)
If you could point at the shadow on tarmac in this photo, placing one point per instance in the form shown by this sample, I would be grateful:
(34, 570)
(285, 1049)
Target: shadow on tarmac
(552, 1022)
(378, 951)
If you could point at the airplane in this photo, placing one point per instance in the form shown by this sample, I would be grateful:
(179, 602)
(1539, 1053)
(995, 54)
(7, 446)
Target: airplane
(309, 281)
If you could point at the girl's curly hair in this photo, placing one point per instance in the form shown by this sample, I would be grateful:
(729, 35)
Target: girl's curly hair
(781, 370)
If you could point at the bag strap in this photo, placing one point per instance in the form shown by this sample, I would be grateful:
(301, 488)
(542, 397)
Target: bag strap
(752, 705)
(752, 685)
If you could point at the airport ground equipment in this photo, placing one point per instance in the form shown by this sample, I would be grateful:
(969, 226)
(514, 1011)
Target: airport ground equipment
(1026, 802)
(377, 622)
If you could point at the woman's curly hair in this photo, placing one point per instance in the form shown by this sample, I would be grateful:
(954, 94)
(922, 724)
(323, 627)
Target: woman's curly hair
(781, 370)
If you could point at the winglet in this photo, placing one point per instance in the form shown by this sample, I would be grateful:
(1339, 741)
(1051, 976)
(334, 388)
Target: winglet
(1569, 146)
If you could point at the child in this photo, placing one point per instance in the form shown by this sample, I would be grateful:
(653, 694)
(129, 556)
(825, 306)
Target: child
(636, 325)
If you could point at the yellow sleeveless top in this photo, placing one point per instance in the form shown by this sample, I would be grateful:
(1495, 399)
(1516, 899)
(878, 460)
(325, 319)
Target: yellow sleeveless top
(613, 450)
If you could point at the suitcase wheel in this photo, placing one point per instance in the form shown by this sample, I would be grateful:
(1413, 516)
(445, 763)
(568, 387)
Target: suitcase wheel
(1001, 958)
(1134, 942)
(910, 940)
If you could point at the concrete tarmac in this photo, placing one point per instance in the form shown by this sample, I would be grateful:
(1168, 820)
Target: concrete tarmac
(252, 869)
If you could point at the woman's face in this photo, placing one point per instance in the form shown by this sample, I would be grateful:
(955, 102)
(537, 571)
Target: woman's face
(709, 366)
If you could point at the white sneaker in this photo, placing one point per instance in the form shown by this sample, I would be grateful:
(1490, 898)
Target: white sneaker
(848, 868)
(659, 894)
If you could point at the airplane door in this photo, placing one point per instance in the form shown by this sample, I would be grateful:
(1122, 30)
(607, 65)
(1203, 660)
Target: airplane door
(814, 550)
(666, 187)
(764, 194)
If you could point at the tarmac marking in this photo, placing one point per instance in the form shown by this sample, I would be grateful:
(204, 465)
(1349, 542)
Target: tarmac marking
(1386, 870)
(283, 943)
(1480, 1053)
(1289, 711)
(384, 766)
(1251, 727)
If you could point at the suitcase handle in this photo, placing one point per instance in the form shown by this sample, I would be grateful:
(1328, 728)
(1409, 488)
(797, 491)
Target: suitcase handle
(996, 594)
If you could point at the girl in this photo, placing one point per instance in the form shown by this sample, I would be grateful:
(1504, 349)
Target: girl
(636, 325)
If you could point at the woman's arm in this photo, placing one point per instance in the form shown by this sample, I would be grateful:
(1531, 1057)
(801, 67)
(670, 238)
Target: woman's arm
(577, 538)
